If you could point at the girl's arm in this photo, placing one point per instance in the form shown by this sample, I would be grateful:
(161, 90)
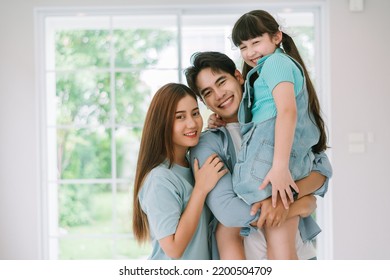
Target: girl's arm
(205, 179)
(279, 175)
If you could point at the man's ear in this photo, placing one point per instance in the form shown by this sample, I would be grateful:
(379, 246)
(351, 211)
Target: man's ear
(239, 77)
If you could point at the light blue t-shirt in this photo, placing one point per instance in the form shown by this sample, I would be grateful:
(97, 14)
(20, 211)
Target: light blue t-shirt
(277, 68)
(163, 197)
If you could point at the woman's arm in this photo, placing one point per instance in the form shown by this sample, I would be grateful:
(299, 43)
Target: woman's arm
(205, 179)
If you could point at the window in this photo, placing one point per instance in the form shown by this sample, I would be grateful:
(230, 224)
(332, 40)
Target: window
(97, 72)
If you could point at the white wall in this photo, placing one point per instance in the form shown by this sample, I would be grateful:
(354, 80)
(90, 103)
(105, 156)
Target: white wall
(358, 71)
(360, 96)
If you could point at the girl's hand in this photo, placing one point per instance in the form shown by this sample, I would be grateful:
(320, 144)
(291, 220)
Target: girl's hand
(209, 174)
(215, 121)
(282, 182)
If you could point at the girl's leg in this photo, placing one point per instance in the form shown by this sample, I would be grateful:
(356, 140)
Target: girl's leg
(230, 243)
(281, 240)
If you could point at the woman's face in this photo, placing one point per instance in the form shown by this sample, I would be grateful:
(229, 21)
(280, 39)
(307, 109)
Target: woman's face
(187, 125)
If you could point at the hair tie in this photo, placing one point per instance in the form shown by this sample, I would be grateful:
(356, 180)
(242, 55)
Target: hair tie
(283, 26)
(233, 47)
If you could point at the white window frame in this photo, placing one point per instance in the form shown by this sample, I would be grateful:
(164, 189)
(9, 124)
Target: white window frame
(320, 10)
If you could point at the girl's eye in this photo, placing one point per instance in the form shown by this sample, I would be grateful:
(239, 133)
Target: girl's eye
(242, 47)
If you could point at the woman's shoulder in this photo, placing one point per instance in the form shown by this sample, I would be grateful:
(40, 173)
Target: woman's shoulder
(158, 179)
(159, 172)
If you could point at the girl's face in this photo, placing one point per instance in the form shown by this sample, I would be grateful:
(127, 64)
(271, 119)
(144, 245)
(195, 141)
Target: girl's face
(187, 126)
(254, 49)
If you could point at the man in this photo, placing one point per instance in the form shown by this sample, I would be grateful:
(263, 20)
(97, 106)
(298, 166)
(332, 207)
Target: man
(215, 79)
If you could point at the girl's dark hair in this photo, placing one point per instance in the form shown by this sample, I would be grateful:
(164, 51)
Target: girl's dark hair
(156, 145)
(259, 22)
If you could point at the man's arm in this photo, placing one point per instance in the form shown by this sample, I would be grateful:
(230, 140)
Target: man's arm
(316, 183)
(310, 184)
(226, 206)
(303, 207)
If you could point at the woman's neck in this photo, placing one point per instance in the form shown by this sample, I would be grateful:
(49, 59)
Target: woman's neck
(181, 159)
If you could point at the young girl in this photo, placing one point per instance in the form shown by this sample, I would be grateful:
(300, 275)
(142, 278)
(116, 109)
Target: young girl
(287, 129)
(168, 203)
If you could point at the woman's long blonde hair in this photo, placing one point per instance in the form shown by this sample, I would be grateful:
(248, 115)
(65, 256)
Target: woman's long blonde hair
(156, 145)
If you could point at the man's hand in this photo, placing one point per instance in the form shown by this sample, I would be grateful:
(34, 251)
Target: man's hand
(270, 216)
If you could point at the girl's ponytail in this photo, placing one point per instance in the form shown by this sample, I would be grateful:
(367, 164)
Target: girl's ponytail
(314, 105)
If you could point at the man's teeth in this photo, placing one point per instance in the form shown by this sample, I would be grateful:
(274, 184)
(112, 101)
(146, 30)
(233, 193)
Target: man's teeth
(224, 103)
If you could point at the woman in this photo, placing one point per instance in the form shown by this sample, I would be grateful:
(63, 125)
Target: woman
(168, 200)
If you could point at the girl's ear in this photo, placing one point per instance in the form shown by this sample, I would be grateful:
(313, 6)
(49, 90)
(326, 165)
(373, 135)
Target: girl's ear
(277, 38)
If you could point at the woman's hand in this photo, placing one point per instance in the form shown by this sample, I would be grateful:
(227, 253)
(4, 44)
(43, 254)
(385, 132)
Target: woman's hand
(215, 121)
(206, 177)
(209, 174)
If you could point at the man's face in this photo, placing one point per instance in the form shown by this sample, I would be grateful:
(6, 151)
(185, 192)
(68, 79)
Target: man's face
(221, 92)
